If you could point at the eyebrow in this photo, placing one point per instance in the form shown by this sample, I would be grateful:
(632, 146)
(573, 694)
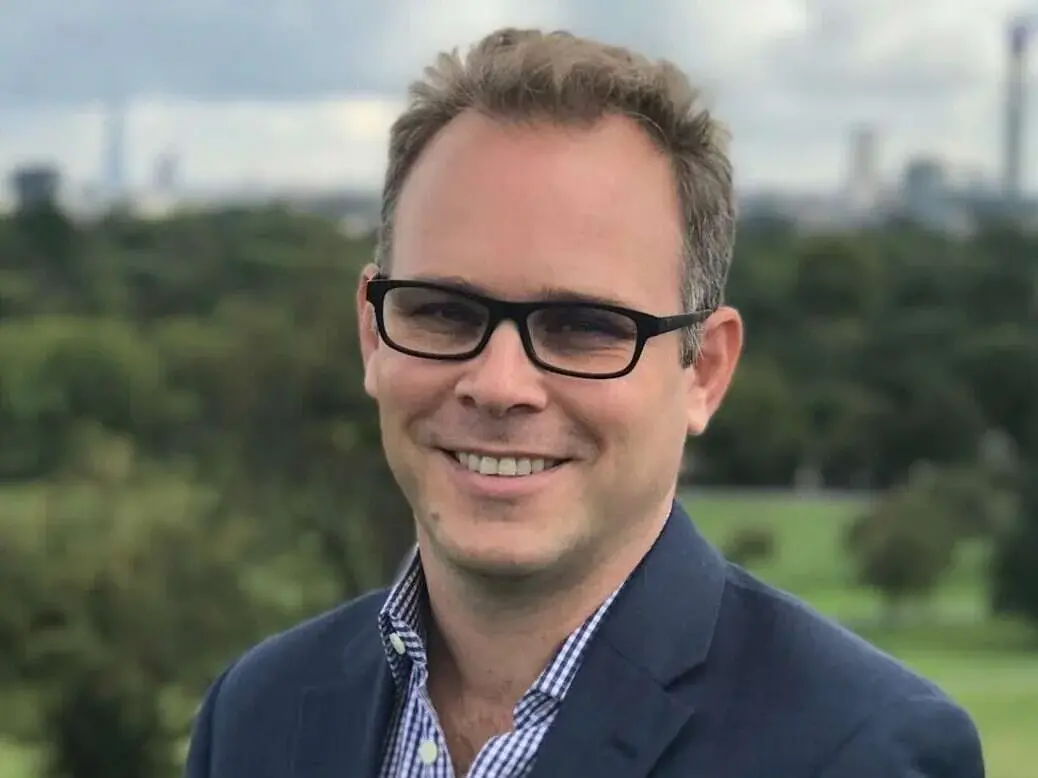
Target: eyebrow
(545, 293)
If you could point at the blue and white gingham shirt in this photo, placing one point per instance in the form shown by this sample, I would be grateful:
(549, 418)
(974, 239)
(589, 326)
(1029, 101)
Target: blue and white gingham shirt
(416, 746)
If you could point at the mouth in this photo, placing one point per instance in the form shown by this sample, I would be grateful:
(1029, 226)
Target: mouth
(504, 466)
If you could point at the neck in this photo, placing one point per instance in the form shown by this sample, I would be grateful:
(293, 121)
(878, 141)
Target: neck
(489, 639)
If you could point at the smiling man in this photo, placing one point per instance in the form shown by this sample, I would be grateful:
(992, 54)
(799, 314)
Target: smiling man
(542, 328)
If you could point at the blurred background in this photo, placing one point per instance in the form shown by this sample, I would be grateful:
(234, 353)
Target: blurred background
(187, 459)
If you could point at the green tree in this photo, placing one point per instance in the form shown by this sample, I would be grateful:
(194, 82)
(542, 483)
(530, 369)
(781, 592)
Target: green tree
(57, 372)
(120, 581)
(758, 433)
(902, 547)
(749, 546)
(221, 348)
(1014, 567)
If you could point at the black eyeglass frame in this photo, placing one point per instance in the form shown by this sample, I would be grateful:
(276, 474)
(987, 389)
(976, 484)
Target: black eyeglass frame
(648, 326)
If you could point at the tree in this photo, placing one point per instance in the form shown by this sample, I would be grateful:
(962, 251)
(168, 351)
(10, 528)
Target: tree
(1014, 568)
(100, 726)
(750, 545)
(757, 435)
(118, 582)
(283, 426)
(57, 372)
(902, 547)
(978, 500)
(221, 348)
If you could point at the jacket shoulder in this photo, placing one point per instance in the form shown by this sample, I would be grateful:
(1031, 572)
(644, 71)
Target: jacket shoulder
(308, 653)
(789, 670)
(826, 660)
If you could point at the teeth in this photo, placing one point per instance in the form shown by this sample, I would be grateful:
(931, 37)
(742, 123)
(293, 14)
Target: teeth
(508, 467)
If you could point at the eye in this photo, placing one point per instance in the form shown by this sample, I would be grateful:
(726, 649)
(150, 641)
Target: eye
(587, 321)
(431, 307)
(451, 311)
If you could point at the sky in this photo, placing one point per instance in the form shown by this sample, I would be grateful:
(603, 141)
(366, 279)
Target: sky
(301, 93)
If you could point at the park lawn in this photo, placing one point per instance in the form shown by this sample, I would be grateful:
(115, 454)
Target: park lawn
(809, 560)
(807, 531)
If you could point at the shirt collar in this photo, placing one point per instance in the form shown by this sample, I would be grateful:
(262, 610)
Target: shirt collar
(402, 628)
(401, 621)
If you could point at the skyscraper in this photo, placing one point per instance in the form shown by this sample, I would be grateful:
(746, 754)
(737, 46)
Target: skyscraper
(862, 184)
(114, 163)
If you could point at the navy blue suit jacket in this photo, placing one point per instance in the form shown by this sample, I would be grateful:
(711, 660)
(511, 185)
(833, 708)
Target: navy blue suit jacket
(699, 669)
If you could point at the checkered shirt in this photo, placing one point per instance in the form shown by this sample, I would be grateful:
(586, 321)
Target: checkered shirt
(416, 746)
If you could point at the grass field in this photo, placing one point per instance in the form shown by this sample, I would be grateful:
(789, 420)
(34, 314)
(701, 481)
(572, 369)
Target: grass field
(991, 668)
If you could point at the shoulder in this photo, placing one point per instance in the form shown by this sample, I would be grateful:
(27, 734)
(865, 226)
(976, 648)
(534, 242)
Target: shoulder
(250, 713)
(801, 672)
(307, 654)
(921, 736)
(824, 657)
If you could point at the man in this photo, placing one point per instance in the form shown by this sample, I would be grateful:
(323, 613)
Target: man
(542, 329)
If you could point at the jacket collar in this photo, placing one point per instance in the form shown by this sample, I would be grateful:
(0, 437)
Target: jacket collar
(625, 706)
(665, 619)
(636, 692)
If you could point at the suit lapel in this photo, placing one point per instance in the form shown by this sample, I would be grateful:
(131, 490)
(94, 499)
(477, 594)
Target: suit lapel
(636, 690)
(618, 730)
(342, 726)
(634, 694)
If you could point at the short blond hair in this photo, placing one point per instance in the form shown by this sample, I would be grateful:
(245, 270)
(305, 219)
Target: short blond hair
(559, 77)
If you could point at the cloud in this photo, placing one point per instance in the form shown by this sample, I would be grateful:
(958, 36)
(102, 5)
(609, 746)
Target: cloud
(280, 87)
(892, 50)
(305, 48)
(198, 48)
(222, 49)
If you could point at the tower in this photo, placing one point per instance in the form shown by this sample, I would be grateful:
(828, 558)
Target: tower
(114, 162)
(863, 176)
(1020, 30)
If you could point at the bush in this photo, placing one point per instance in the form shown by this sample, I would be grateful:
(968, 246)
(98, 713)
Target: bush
(904, 545)
(750, 545)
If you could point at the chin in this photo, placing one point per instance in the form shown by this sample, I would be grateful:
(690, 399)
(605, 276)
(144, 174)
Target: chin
(500, 567)
(499, 549)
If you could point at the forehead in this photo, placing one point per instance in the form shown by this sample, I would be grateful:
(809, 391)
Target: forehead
(520, 208)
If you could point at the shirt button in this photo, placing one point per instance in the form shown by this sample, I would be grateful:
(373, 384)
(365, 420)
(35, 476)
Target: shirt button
(397, 643)
(427, 752)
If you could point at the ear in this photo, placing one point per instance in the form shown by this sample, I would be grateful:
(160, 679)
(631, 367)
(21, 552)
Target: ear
(711, 374)
(367, 331)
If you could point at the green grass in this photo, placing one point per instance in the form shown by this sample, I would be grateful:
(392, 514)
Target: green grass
(807, 532)
(17, 762)
(991, 668)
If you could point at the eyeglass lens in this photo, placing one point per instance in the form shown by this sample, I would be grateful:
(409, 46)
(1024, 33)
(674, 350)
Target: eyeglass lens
(577, 337)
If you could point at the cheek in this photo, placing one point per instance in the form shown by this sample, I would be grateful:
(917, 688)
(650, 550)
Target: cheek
(410, 388)
(647, 417)
(617, 414)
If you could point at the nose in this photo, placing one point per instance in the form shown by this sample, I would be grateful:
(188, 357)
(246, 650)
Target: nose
(502, 379)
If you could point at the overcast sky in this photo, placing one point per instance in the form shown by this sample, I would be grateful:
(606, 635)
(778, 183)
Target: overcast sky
(302, 91)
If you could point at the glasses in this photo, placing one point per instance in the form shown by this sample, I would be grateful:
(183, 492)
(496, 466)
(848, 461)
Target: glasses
(571, 338)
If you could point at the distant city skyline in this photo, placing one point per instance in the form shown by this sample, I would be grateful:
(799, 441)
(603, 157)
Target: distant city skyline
(342, 143)
(303, 94)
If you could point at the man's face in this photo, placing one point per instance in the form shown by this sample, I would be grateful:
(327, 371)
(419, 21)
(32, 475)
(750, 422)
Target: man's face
(520, 212)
